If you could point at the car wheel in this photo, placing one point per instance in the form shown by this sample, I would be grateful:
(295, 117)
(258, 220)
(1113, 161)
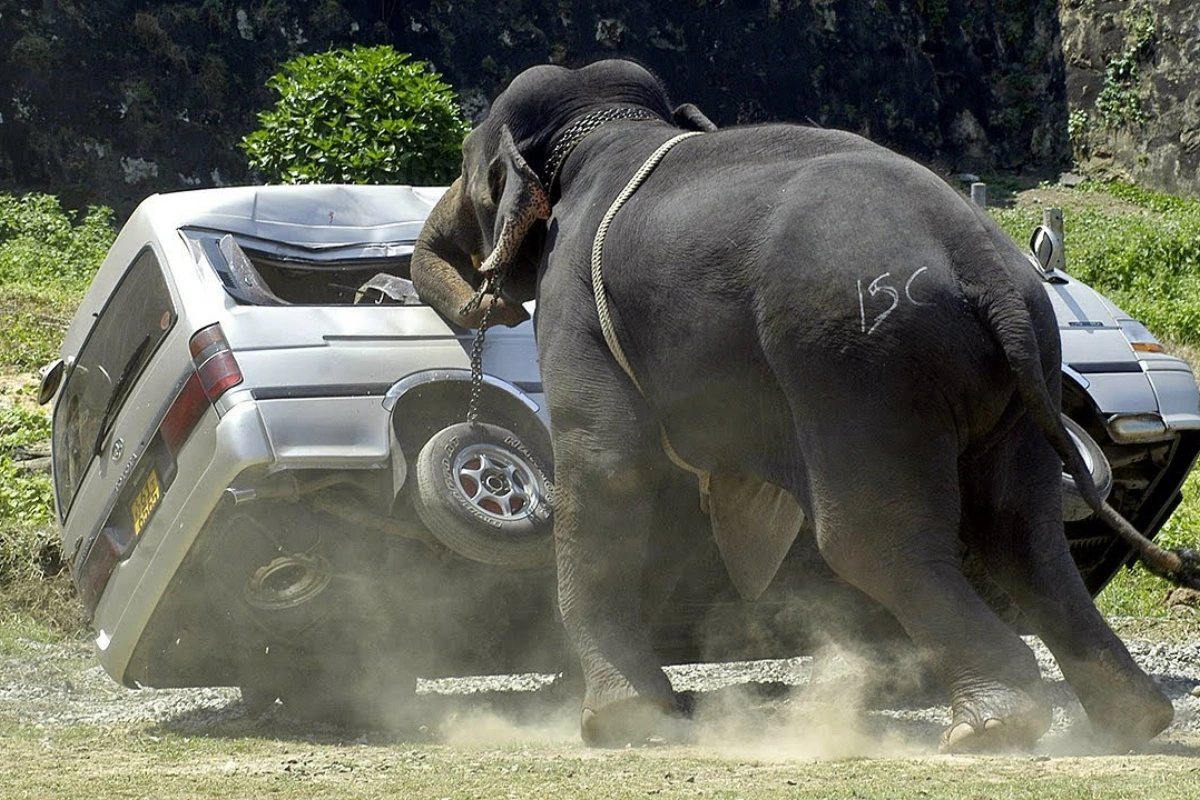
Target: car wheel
(1074, 506)
(485, 495)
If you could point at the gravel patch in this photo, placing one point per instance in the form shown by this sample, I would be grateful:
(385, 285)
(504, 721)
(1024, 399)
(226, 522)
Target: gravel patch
(61, 684)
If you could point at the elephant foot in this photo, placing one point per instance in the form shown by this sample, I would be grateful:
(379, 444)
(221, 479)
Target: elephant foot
(634, 721)
(996, 721)
(1127, 720)
(1125, 707)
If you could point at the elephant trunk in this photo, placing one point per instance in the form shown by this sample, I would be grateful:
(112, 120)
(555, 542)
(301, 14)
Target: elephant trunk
(445, 264)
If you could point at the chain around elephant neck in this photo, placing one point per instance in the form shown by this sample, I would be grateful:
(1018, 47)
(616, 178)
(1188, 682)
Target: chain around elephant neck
(579, 130)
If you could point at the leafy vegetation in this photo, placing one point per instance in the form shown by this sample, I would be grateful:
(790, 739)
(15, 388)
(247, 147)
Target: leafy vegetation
(1145, 255)
(1120, 99)
(43, 246)
(24, 499)
(362, 115)
(47, 258)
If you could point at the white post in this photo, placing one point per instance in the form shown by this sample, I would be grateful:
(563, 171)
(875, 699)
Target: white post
(979, 194)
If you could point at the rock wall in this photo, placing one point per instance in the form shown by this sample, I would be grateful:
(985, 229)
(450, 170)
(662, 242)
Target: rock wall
(110, 100)
(1133, 81)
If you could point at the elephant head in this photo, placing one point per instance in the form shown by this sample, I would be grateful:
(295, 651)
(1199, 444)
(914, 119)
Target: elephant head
(490, 218)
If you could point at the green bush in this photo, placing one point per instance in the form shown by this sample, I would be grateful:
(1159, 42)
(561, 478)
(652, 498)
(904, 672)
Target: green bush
(26, 498)
(363, 115)
(1145, 259)
(20, 426)
(47, 259)
(32, 324)
(41, 245)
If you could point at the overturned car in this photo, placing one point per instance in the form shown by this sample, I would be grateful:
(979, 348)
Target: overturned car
(265, 475)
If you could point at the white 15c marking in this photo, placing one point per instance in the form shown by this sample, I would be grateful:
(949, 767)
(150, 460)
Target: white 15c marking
(877, 286)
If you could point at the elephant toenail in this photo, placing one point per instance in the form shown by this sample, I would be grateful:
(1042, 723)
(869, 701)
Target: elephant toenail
(955, 736)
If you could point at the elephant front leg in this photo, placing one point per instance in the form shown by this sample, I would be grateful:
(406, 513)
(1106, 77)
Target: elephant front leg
(604, 498)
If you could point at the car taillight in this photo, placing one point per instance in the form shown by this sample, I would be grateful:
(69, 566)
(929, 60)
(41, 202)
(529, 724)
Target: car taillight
(107, 549)
(215, 364)
(216, 371)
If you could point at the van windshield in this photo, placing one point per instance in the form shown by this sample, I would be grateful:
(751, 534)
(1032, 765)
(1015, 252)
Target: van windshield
(136, 319)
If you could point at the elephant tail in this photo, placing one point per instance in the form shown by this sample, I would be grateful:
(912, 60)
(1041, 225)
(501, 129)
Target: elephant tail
(1004, 313)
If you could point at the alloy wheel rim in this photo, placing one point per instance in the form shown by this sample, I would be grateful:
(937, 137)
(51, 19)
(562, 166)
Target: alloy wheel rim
(496, 483)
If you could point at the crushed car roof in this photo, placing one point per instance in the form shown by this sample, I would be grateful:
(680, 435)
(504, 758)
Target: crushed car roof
(315, 215)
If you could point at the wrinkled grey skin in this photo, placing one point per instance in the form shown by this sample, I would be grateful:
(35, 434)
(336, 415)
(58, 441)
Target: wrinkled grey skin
(809, 308)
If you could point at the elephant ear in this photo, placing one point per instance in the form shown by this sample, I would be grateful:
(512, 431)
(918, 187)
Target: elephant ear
(521, 200)
(688, 117)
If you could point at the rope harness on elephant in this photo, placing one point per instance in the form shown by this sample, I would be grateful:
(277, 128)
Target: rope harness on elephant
(602, 309)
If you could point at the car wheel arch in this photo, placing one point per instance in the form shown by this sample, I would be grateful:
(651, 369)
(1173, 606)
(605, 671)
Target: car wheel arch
(423, 404)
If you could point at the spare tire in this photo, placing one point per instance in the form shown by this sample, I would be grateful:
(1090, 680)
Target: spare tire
(485, 495)
(1074, 506)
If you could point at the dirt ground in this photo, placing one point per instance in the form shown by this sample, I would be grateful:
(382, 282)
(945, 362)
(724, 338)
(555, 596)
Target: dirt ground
(790, 728)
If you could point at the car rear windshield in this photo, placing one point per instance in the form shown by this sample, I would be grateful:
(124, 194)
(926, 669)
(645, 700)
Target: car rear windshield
(134, 322)
(256, 271)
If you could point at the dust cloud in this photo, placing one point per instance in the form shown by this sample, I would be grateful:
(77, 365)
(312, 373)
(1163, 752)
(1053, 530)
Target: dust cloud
(833, 716)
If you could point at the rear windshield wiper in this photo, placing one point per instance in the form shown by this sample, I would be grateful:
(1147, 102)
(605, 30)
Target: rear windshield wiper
(120, 389)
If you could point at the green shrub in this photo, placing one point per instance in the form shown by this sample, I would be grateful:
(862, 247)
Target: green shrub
(47, 259)
(25, 497)
(32, 324)
(1145, 259)
(363, 115)
(42, 245)
(20, 426)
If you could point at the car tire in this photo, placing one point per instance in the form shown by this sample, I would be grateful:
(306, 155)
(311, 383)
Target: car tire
(1075, 508)
(485, 495)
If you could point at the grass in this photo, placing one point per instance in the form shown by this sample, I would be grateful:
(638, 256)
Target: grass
(83, 761)
(47, 258)
(1140, 248)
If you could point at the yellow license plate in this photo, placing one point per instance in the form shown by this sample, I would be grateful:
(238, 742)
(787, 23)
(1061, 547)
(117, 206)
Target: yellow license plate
(146, 501)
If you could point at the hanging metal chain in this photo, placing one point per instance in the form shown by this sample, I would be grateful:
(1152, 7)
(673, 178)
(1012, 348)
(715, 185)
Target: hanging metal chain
(495, 285)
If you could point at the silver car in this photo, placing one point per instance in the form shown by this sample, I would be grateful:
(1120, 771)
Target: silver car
(265, 475)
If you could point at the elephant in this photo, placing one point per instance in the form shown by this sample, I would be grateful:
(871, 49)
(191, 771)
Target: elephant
(780, 326)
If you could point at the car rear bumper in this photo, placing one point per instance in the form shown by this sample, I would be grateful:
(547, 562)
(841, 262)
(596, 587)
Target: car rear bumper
(238, 441)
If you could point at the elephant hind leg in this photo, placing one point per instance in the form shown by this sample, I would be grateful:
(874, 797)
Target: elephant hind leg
(1016, 525)
(889, 524)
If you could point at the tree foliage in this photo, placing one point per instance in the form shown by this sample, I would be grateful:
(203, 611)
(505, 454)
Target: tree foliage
(361, 115)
